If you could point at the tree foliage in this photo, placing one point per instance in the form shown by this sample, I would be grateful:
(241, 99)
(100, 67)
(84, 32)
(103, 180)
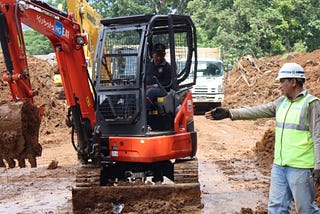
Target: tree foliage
(260, 28)
(114, 8)
(37, 44)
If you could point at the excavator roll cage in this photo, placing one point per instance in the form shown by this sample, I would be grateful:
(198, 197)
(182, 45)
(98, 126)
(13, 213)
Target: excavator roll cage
(124, 49)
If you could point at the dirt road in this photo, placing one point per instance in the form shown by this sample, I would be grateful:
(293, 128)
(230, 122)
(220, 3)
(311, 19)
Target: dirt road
(228, 175)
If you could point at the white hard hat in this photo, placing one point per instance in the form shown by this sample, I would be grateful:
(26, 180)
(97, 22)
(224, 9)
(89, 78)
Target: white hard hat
(291, 70)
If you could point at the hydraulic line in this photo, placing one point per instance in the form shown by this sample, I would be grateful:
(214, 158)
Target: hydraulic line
(4, 43)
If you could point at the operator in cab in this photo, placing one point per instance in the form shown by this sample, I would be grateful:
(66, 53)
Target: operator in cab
(158, 68)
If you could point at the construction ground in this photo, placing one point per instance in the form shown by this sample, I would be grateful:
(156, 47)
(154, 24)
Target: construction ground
(235, 157)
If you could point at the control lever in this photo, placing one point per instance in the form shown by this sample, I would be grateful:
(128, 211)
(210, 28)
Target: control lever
(160, 85)
(150, 101)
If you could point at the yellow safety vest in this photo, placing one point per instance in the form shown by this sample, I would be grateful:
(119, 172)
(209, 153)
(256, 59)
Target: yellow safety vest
(293, 143)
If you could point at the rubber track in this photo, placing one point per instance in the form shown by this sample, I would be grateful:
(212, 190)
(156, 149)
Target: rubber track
(186, 171)
(88, 177)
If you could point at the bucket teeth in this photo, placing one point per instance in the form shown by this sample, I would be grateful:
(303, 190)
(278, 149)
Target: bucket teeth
(19, 134)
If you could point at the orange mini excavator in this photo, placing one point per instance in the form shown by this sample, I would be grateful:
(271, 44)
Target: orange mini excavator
(117, 138)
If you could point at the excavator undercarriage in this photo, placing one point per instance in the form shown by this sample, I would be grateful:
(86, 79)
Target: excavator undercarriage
(181, 194)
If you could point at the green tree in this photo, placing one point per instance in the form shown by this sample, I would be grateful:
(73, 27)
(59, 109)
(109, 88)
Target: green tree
(260, 28)
(37, 44)
(115, 8)
(257, 27)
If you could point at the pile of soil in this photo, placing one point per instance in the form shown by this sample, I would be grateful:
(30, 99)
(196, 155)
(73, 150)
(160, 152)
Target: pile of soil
(252, 81)
(41, 78)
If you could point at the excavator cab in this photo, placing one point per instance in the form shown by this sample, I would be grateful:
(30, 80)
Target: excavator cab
(124, 49)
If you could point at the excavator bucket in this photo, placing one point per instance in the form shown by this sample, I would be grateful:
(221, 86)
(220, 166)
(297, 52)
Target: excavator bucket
(182, 195)
(19, 134)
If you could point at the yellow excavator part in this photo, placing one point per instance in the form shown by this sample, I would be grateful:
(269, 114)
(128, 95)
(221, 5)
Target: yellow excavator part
(89, 21)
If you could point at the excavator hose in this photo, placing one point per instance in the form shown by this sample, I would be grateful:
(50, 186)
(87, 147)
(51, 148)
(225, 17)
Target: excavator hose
(4, 42)
(49, 7)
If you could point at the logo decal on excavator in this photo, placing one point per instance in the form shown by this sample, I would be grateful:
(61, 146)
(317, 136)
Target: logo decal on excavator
(58, 28)
(88, 101)
(189, 105)
(44, 22)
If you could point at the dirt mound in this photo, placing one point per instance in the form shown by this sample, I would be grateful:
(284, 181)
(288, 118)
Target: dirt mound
(41, 77)
(252, 81)
(264, 151)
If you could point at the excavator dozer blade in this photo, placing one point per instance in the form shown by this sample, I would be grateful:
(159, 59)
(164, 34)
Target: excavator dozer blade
(182, 196)
(19, 134)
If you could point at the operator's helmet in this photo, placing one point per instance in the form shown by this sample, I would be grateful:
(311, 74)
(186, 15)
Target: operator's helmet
(291, 70)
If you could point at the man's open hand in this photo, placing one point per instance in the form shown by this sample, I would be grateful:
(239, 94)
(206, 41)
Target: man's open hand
(218, 114)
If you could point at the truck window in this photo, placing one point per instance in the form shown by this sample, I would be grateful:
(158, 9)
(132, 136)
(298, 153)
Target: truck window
(212, 68)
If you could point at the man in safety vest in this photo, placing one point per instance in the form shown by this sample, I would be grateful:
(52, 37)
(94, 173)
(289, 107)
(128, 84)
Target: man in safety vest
(297, 141)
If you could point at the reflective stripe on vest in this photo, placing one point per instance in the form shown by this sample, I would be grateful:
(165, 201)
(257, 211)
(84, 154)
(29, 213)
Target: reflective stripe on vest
(293, 145)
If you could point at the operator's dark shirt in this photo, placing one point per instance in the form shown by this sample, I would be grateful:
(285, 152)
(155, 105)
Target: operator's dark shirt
(161, 71)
